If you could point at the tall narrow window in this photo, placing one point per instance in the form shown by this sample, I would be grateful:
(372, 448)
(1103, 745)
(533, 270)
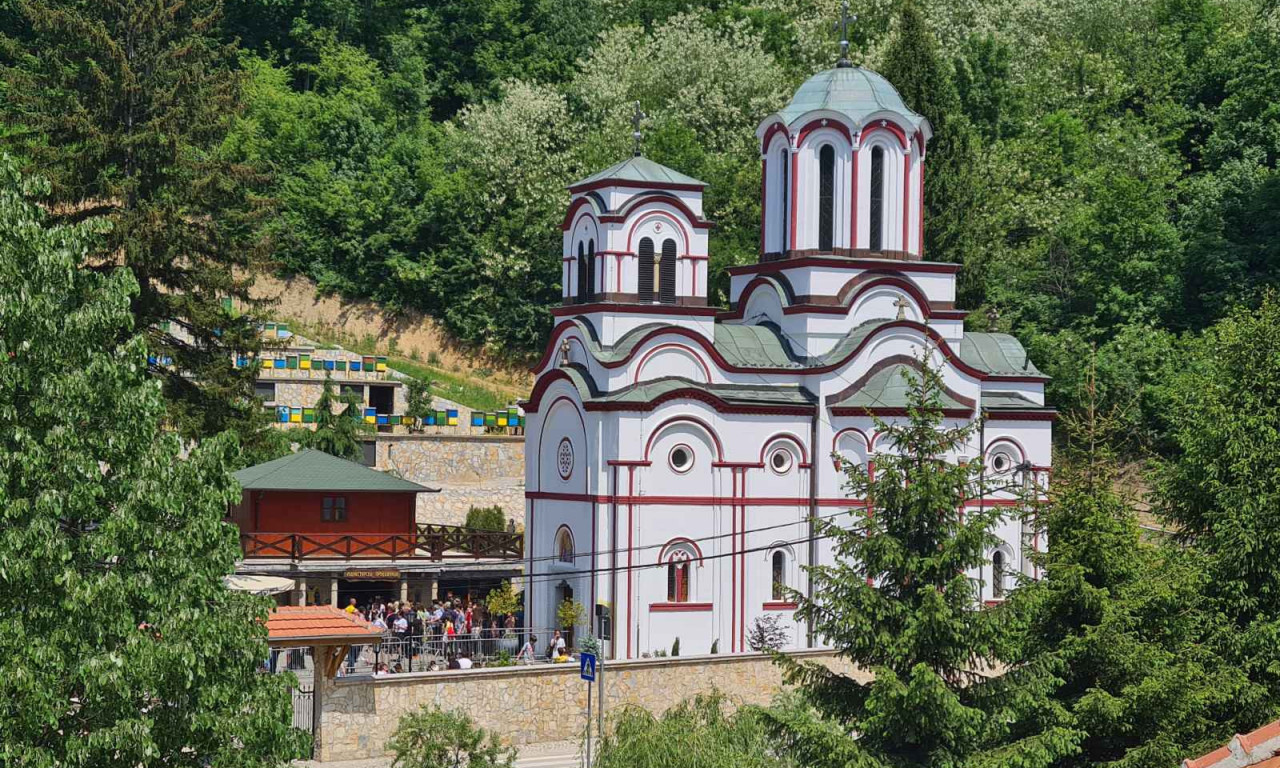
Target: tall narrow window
(997, 574)
(644, 287)
(582, 273)
(591, 269)
(877, 199)
(678, 578)
(784, 199)
(667, 273)
(826, 197)
(779, 575)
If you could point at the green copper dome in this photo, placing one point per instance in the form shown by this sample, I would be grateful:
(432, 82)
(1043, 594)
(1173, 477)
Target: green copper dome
(854, 92)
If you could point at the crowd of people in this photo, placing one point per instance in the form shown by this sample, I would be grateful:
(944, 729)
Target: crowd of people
(449, 633)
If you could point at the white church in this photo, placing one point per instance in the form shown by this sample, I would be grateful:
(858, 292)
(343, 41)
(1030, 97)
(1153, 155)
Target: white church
(676, 451)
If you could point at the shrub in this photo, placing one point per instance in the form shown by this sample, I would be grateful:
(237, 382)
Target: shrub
(433, 738)
(486, 518)
(675, 647)
(767, 633)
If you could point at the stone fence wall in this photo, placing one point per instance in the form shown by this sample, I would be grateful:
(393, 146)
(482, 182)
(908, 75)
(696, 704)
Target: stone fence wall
(469, 470)
(533, 705)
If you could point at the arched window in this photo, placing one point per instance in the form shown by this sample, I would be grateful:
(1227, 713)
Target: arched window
(997, 574)
(678, 572)
(877, 198)
(779, 566)
(826, 197)
(644, 254)
(591, 269)
(582, 273)
(564, 545)
(667, 273)
(784, 208)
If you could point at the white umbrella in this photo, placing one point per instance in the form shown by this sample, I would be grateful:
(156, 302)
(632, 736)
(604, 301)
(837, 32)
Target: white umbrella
(259, 585)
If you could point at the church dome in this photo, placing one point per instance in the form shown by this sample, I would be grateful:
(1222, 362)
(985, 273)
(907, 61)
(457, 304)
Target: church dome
(854, 92)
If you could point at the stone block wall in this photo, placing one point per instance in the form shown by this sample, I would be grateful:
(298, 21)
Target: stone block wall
(469, 470)
(533, 705)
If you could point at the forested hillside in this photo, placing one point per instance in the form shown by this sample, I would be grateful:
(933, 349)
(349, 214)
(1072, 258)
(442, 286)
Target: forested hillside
(1104, 169)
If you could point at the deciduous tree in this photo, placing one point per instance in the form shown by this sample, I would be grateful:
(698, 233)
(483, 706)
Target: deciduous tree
(121, 647)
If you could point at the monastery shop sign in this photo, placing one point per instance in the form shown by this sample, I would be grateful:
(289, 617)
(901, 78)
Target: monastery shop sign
(371, 574)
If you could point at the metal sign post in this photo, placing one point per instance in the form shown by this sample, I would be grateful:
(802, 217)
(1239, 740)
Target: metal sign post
(587, 670)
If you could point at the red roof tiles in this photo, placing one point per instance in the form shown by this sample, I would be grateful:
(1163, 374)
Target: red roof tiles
(288, 624)
(1256, 749)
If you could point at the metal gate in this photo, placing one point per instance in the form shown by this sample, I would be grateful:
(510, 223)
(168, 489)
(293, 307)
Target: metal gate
(304, 708)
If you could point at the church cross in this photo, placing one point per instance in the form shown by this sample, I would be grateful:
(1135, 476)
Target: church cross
(636, 135)
(902, 305)
(845, 18)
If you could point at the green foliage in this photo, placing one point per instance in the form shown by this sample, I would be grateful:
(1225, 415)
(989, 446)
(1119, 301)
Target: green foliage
(1221, 489)
(113, 545)
(692, 734)
(1124, 623)
(570, 613)
(338, 431)
(502, 600)
(897, 601)
(419, 401)
(124, 105)
(675, 647)
(767, 633)
(432, 738)
(486, 518)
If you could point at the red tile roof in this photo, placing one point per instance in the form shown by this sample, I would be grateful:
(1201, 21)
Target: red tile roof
(1256, 749)
(290, 624)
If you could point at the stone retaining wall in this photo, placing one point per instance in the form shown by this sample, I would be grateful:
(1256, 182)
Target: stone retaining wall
(469, 470)
(533, 705)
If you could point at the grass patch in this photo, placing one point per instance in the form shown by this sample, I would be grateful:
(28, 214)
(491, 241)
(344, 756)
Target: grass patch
(449, 385)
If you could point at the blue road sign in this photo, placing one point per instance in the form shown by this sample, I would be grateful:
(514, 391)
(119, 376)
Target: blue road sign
(588, 669)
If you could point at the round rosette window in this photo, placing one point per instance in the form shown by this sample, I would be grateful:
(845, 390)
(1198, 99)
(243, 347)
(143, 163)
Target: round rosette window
(564, 458)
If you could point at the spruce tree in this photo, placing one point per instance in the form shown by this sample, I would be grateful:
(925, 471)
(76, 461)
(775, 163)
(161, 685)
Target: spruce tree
(123, 106)
(121, 646)
(924, 80)
(898, 602)
(1123, 622)
(338, 432)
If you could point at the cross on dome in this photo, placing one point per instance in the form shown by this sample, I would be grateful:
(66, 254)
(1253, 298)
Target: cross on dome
(636, 134)
(845, 18)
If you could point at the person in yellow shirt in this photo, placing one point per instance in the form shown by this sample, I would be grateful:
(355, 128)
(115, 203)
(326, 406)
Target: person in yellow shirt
(351, 607)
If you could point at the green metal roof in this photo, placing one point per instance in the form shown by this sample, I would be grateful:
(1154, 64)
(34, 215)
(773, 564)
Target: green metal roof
(1002, 401)
(997, 353)
(640, 169)
(741, 394)
(889, 388)
(310, 470)
(763, 345)
(854, 92)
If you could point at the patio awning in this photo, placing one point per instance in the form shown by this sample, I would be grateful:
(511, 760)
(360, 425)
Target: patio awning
(259, 585)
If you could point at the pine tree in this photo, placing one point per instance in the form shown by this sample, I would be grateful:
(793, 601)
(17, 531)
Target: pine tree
(924, 80)
(123, 105)
(897, 601)
(120, 645)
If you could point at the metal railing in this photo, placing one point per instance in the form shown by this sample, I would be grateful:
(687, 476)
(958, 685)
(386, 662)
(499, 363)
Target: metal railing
(432, 651)
(431, 542)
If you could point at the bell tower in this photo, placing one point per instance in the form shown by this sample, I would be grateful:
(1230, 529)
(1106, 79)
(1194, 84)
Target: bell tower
(635, 247)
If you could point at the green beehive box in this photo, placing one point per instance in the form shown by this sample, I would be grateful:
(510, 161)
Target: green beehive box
(291, 362)
(395, 420)
(340, 365)
(308, 415)
(490, 419)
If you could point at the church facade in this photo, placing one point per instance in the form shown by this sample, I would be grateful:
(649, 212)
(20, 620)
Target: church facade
(677, 453)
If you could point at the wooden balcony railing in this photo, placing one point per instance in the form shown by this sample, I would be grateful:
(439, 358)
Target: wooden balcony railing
(431, 542)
